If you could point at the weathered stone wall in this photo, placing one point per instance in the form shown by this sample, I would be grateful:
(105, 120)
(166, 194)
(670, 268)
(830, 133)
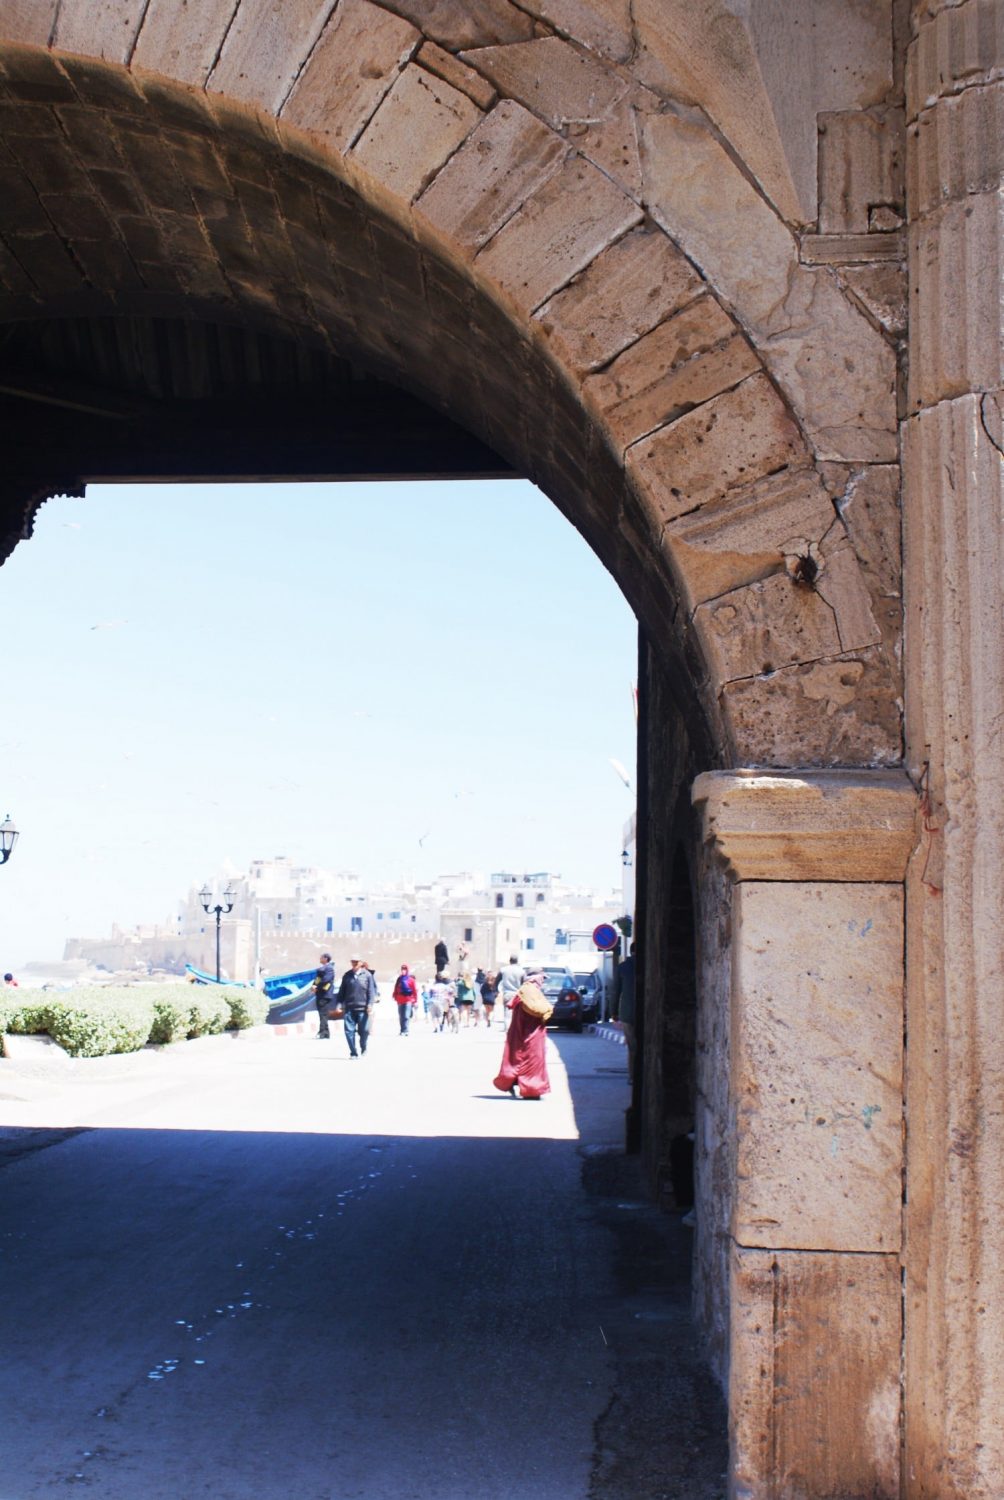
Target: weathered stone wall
(665, 925)
(800, 1135)
(954, 502)
(714, 1148)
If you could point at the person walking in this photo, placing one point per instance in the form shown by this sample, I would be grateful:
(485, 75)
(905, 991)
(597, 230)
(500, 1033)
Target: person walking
(489, 989)
(523, 1073)
(441, 957)
(324, 993)
(510, 979)
(441, 1001)
(465, 998)
(405, 993)
(356, 994)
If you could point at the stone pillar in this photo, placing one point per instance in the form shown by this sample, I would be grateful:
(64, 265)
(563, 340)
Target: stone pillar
(953, 441)
(816, 862)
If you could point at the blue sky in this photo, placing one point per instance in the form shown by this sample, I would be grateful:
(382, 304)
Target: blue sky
(199, 674)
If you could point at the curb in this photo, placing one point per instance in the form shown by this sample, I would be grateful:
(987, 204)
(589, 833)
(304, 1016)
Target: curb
(608, 1031)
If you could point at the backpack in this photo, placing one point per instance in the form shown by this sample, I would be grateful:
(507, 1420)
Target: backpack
(405, 986)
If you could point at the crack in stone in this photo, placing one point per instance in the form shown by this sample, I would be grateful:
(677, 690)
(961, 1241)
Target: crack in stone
(990, 396)
(223, 42)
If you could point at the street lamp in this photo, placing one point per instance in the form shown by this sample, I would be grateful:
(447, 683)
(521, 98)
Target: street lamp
(206, 897)
(8, 838)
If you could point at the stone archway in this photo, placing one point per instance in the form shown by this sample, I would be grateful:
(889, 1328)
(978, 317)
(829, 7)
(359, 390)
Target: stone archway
(552, 224)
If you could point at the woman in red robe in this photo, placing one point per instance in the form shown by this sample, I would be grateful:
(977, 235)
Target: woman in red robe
(524, 1056)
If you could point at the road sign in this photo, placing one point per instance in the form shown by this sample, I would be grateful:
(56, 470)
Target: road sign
(606, 937)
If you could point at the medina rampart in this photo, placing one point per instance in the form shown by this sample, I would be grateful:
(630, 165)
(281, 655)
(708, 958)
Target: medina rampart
(724, 279)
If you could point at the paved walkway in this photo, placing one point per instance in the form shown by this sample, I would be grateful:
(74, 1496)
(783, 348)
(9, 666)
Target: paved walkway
(253, 1269)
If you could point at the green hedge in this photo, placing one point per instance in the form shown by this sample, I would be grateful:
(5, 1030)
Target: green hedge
(94, 1020)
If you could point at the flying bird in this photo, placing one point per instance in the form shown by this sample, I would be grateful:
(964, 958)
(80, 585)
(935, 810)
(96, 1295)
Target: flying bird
(109, 624)
(621, 772)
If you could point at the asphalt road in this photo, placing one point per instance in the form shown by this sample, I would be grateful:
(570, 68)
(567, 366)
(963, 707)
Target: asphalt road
(258, 1269)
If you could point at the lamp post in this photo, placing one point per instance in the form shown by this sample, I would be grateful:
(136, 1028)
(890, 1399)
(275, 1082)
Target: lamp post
(8, 838)
(206, 897)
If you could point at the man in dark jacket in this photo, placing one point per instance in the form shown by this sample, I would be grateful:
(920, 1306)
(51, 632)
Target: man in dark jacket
(356, 994)
(324, 994)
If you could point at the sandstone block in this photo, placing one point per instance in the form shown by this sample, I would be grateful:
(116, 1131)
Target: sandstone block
(851, 249)
(746, 535)
(837, 370)
(861, 165)
(628, 289)
(818, 1124)
(814, 1400)
(456, 24)
(692, 356)
(360, 53)
(763, 627)
(883, 291)
(710, 208)
(99, 28)
(731, 440)
(264, 50)
(451, 70)
(601, 25)
(842, 711)
(957, 340)
(960, 47)
(557, 232)
(841, 584)
(957, 148)
(870, 507)
(507, 158)
(613, 146)
(553, 79)
(954, 488)
(419, 123)
(809, 825)
(30, 20)
(182, 41)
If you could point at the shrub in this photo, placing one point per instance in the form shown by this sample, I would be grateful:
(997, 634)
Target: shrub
(93, 1020)
(247, 1008)
(171, 1013)
(89, 1022)
(208, 1011)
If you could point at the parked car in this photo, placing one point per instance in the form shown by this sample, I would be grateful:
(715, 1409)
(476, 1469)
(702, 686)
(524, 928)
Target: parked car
(559, 987)
(590, 987)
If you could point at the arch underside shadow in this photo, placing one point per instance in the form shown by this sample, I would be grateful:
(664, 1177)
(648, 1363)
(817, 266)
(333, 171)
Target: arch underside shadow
(716, 521)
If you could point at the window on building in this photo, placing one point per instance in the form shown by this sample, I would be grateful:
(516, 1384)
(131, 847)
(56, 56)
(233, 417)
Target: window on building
(468, 934)
(395, 916)
(529, 943)
(414, 918)
(519, 898)
(531, 921)
(357, 924)
(329, 924)
(379, 916)
(540, 897)
(500, 899)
